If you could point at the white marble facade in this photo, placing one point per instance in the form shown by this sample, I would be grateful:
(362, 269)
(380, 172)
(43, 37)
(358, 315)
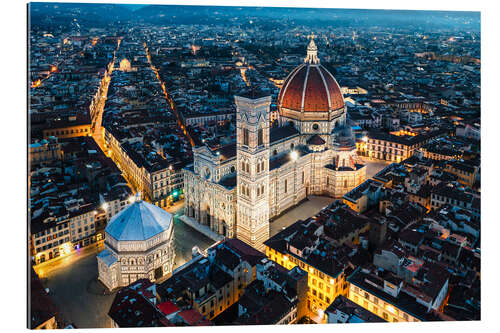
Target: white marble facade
(235, 189)
(139, 244)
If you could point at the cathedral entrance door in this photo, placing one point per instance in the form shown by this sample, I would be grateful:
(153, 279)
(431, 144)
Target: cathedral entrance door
(158, 272)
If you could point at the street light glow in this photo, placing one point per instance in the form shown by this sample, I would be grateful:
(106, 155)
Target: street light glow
(105, 206)
(294, 155)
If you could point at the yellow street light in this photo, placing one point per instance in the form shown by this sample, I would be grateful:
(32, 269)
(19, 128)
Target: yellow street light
(294, 155)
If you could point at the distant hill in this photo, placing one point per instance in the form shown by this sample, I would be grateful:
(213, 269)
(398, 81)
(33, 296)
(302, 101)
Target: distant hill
(99, 14)
(93, 14)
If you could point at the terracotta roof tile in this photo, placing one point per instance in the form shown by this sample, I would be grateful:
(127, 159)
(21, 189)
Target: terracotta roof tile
(321, 93)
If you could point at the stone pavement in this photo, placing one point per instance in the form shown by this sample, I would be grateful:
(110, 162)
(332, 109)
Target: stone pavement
(205, 230)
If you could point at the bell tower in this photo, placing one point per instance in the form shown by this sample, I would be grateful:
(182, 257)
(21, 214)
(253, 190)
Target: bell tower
(252, 150)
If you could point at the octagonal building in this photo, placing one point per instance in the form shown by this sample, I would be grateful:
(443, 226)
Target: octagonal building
(139, 244)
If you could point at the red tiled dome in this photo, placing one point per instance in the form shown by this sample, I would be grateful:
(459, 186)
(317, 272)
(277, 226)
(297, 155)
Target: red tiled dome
(311, 88)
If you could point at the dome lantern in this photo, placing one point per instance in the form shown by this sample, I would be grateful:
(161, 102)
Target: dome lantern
(312, 52)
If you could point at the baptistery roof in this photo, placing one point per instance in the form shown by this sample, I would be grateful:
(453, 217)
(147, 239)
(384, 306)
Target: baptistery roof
(310, 87)
(139, 221)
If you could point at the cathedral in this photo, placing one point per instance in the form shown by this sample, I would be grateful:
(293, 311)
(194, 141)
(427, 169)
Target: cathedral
(234, 189)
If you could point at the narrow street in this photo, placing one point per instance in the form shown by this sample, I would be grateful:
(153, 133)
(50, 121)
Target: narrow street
(169, 99)
(97, 111)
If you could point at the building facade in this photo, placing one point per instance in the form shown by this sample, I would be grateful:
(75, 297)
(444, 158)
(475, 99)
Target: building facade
(139, 244)
(235, 189)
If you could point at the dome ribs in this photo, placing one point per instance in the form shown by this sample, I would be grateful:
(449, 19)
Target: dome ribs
(292, 98)
(337, 100)
(315, 97)
(318, 92)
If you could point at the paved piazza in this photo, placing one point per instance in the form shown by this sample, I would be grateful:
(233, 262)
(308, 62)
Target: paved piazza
(306, 209)
(73, 285)
(373, 166)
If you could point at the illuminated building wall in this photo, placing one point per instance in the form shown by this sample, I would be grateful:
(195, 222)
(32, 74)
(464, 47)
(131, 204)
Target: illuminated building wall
(68, 131)
(379, 307)
(322, 288)
(161, 187)
(51, 242)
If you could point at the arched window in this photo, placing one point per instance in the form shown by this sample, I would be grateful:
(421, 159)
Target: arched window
(292, 146)
(232, 169)
(260, 137)
(245, 136)
(262, 166)
(258, 167)
(345, 182)
(275, 152)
